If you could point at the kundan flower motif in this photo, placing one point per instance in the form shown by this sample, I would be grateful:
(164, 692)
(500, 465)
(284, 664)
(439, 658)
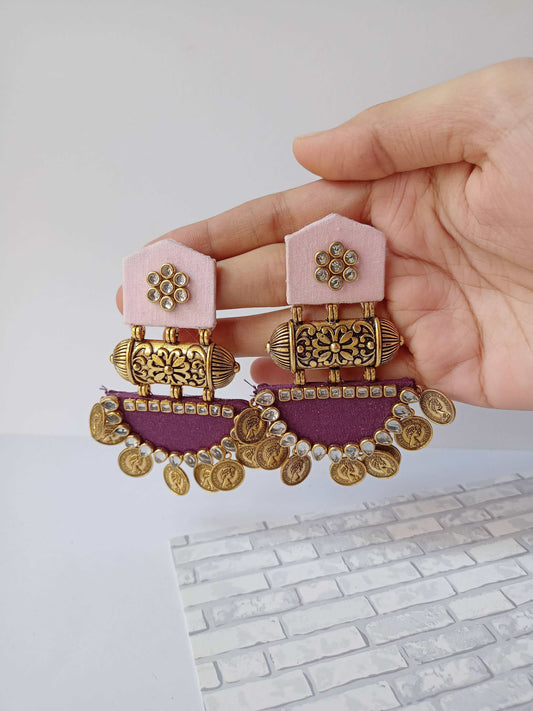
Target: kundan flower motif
(167, 287)
(333, 346)
(336, 266)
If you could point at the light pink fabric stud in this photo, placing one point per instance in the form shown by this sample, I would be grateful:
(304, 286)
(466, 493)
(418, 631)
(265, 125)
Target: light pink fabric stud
(320, 273)
(169, 284)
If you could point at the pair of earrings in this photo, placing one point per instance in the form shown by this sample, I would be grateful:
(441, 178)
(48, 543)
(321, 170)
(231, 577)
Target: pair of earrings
(354, 424)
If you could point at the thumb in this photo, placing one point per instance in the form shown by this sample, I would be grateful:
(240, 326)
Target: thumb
(448, 123)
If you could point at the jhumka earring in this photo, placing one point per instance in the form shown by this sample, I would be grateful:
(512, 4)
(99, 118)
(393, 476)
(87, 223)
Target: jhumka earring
(170, 285)
(354, 424)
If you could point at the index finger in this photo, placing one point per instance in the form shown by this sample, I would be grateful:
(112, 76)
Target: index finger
(268, 219)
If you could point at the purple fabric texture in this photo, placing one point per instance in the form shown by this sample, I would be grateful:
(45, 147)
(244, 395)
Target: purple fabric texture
(179, 433)
(337, 420)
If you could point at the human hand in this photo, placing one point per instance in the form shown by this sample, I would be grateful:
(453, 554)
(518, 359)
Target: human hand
(447, 174)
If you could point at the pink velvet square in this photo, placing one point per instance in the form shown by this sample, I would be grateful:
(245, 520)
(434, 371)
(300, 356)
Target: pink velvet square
(199, 311)
(302, 246)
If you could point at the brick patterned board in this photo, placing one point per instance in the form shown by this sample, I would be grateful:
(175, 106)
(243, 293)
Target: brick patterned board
(422, 602)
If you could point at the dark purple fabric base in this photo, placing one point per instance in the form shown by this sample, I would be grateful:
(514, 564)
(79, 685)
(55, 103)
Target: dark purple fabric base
(337, 420)
(179, 433)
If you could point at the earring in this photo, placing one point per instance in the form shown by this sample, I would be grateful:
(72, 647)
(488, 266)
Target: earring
(170, 285)
(354, 424)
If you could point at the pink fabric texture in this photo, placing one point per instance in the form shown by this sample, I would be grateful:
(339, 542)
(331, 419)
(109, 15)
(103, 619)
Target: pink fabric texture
(198, 312)
(369, 243)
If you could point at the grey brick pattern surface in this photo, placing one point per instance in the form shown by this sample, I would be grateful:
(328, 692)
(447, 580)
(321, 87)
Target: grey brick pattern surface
(423, 602)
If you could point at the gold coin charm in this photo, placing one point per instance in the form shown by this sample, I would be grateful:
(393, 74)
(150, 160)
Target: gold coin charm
(246, 455)
(381, 464)
(390, 449)
(347, 472)
(227, 475)
(270, 454)
(437, 407)
(249, 427)
(176, 479)
(202, 474)
(97, 422)
(295, 470)
(416, 433)
(132, 463)
(101, 430)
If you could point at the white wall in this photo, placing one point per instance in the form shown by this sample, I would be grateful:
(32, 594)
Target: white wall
(120, 120)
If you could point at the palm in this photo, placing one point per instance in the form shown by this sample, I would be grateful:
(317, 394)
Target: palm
(453, 284)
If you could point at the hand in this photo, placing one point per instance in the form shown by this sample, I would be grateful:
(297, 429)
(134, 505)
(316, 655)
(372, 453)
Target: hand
(447, 174)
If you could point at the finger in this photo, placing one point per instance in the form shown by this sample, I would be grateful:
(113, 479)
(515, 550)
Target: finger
(452, 122)
(268, 219)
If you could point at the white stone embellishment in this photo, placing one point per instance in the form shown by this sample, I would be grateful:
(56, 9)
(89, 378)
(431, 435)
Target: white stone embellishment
(167, 287)
(201, 409)
(401, 411)
(229, 444)
(145, 450)
(289, 440)
(181, 279)
(181, 295)
(362, 392)
(153, 295)
(323, 393)
(141, 405)
(216, 453)
(277, 428)
(336, 266)
(335, 392)
(383, 437)
(190, 460)
(322, 275)
(310, 393)
(351, 451)
(284, 395)
(160, 455)
(175, 459)
(351, 257)
(265, 398)
(336, 249)
(227, 412)
(393, 425)
(114, 418)
(190, 408)
(132, 441)
(336, 283)
(389, 390)
(108, 404)
(167, 270)
(167, 303)
(121, 430)
(348, 392)
(319, 452)
(270, 415)
(408, 396)
(297, 394)
(322, 259)
(367, 446)
(165, 406)
(153, 278)
(302, 447)
(350, 274)
(204, 456)
(335, 454)
(179, 408)
(375, 391)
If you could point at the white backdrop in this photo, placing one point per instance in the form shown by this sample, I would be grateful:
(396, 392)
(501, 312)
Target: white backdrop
(120, 120)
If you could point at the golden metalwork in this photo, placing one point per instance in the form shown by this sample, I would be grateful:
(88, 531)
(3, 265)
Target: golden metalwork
(227, 474)
(363, 342)
(148, 362)
(245, 454)
(390, 449)
(167, 287)
(176, 480)
(336, 266)
(381, 464)
(249, 427)
(295, 469)
(416, 433)
(270, 454)
(347, 472)
(133, 464)
(437, 407)
(103, 431)
(202, 475)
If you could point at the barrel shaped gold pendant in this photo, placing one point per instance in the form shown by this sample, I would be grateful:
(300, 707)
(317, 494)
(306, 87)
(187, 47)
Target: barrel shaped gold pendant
(177, 364)
(363, 342)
